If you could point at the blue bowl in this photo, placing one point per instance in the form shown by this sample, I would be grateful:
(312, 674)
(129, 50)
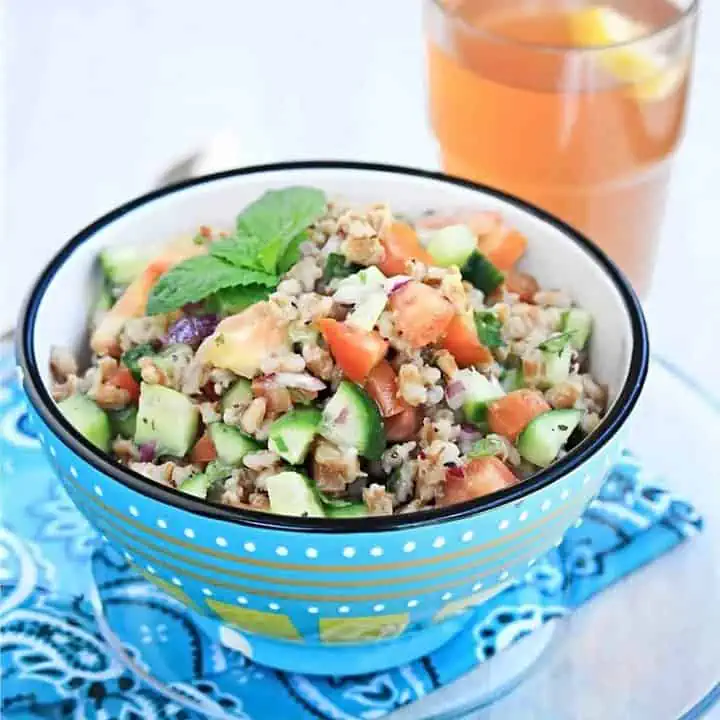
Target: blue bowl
(331, 596)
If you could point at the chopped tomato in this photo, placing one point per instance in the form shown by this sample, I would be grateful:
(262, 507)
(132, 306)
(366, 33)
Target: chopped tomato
(401, 244)
(503, 250)
(123, 378)
(203, 451)
(510, 415)
(422, 314)
(521, 284)
(461, 341)
(382, 386)
(357, 351)
(404, 426)
(481, 476)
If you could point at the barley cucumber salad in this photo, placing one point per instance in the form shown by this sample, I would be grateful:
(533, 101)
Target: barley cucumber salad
(328, 360)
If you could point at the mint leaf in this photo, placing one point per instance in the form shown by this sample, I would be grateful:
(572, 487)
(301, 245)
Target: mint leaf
(277, 218)
(336, 266)
(198, 277)
(232, 300)
(291, 254)
(238, 250)
(489, 329)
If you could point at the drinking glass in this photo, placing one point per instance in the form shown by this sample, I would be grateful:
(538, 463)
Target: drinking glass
(576, 107)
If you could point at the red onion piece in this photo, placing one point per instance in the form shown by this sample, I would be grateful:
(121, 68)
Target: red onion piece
(147, 452)
(456, 471)
(469, 433)
(394, 284)
(301, 381)
(455, 394)
(192, 329)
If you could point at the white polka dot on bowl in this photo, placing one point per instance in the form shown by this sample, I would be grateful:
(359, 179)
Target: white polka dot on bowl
(413, 603)
(150, 569)
(73, 471)
(281, 550)
(545, 506)
(467, 536)
(242, 600)
(376, 551)
(274, 606)
(312, 553)
(161, 524)
(477, 586)
(207, 592)
(438, 542)
(176, 581)
(344, 609)
(408, 547)
(378, 608)
(133, 511)
(503, 525)
(565, 494)
(221, 541)
(98, 491)
(504, 575)
(313, 610)
(189, 533)
(349, 552)
(523, 516)
(53, 451)
(446, 596)
(249, 547)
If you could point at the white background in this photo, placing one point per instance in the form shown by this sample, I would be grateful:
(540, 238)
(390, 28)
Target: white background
(104, 94)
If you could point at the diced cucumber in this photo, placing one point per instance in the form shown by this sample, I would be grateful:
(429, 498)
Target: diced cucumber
(578, 323)
(88, 419)
(122, 264)
(292, 434)
(123, 422)
(481, 273)
(513, 380)
(556, 366)
(543, 438)
(197, 485)
(231, 445)
(238, 395)
(479, 393)
(352, 419)
(452, 245)
(368, 312)
(130, 358)
(292, 494)
(166, 418)
(351, 510)
(104, 300)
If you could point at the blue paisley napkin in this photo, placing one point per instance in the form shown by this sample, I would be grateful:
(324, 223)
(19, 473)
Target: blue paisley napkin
(56, 662)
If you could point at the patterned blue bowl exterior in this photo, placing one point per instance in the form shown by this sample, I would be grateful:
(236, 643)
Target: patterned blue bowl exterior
(328, 589)
(307, 594)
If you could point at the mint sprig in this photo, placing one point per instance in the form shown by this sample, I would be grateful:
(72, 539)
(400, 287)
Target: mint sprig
(240, 268)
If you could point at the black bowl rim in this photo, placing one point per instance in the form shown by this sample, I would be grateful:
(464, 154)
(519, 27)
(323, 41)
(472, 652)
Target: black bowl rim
(51, 415)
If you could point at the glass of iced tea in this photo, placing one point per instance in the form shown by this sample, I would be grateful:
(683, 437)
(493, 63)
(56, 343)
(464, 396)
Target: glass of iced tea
(574, 106)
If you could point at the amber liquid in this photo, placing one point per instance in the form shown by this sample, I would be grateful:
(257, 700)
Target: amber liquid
(554, 126)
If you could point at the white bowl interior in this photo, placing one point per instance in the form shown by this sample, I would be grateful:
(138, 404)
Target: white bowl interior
(553, 258)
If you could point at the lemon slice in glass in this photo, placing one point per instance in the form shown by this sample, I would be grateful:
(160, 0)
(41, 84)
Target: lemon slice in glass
(649, 75)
